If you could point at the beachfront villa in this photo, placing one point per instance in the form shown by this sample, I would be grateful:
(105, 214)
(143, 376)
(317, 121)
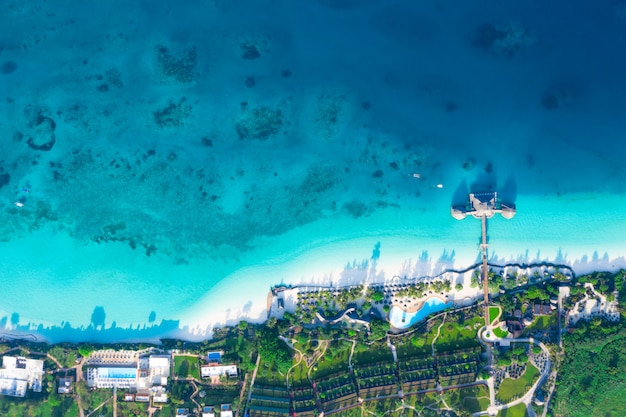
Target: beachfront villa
(18, 374)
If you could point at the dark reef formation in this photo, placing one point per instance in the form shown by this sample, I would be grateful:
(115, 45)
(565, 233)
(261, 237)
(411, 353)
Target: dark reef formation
(179, 65)
(174, 114)
(259, 122)
(8, 67)
(41, 127)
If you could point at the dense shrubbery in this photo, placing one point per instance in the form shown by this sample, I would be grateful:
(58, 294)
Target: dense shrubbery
(273, 350)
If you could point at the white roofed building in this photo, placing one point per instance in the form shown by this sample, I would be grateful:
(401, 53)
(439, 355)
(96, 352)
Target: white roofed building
(215, 372)
(18, 374)
(153, 370)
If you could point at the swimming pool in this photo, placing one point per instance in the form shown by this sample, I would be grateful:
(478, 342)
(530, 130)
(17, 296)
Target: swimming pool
(400, 319)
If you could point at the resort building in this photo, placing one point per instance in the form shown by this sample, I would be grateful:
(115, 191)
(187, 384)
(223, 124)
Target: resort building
(159, 395)
(153, 370)
(65, 385)
(208, 412)
(18, 374)
(215, 372)
(144, 374)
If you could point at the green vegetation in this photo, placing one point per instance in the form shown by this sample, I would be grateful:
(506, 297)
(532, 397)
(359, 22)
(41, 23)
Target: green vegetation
(33, 406)
(476, 400)
(541, 323)
(186, 366)
(499, 332)
(511, 389)
(591, 374)
(493, 313)
(457, 332)
(517, 411)
(66, 355)
(273, 350)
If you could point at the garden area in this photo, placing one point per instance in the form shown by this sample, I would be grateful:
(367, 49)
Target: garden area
(517, 411)
(186, 367)
(511, 389)
(494, 312)
(472, 399)
(498, 332)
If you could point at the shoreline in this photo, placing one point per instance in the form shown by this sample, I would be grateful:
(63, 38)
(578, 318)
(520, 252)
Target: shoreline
(199, 329)
(189, 299)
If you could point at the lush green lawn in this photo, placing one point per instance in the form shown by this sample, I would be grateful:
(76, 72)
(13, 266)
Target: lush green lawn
(493, 313)
(166, 411)
(514, 388)
(471, 399)
(378, 352)
(185, 366)
(454, 335)
(499, 332)
(541, 323)
(518, 411)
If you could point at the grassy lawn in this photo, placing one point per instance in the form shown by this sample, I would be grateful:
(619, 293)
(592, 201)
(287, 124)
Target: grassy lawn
(267, 375)
(297, 377)
(493, 313)
(499, 332)
(518, 411)
(454, 335)
(416, 346)
(166, 411)
(475, 401)
(331, 363)
(471, 399)
(515, 388)
(378, 352)
(185, 366)
(541, 323)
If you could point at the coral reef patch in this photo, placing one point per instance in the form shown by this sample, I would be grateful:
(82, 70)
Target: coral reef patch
(41, 135)
(178, 65)
(259, 122)
(174, 114)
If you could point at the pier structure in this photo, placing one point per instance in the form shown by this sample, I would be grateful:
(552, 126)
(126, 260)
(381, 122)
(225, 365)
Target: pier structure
(484, 206)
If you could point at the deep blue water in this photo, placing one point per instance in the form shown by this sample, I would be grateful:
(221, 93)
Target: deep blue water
(161, 147)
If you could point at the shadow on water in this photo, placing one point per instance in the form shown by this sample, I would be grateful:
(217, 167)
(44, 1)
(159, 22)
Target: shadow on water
(459, 197)
(97, 317)
(508, 190)
(485, 181)
(67, 333)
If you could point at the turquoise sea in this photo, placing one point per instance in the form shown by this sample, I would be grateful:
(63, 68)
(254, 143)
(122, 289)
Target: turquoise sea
(164, 163)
